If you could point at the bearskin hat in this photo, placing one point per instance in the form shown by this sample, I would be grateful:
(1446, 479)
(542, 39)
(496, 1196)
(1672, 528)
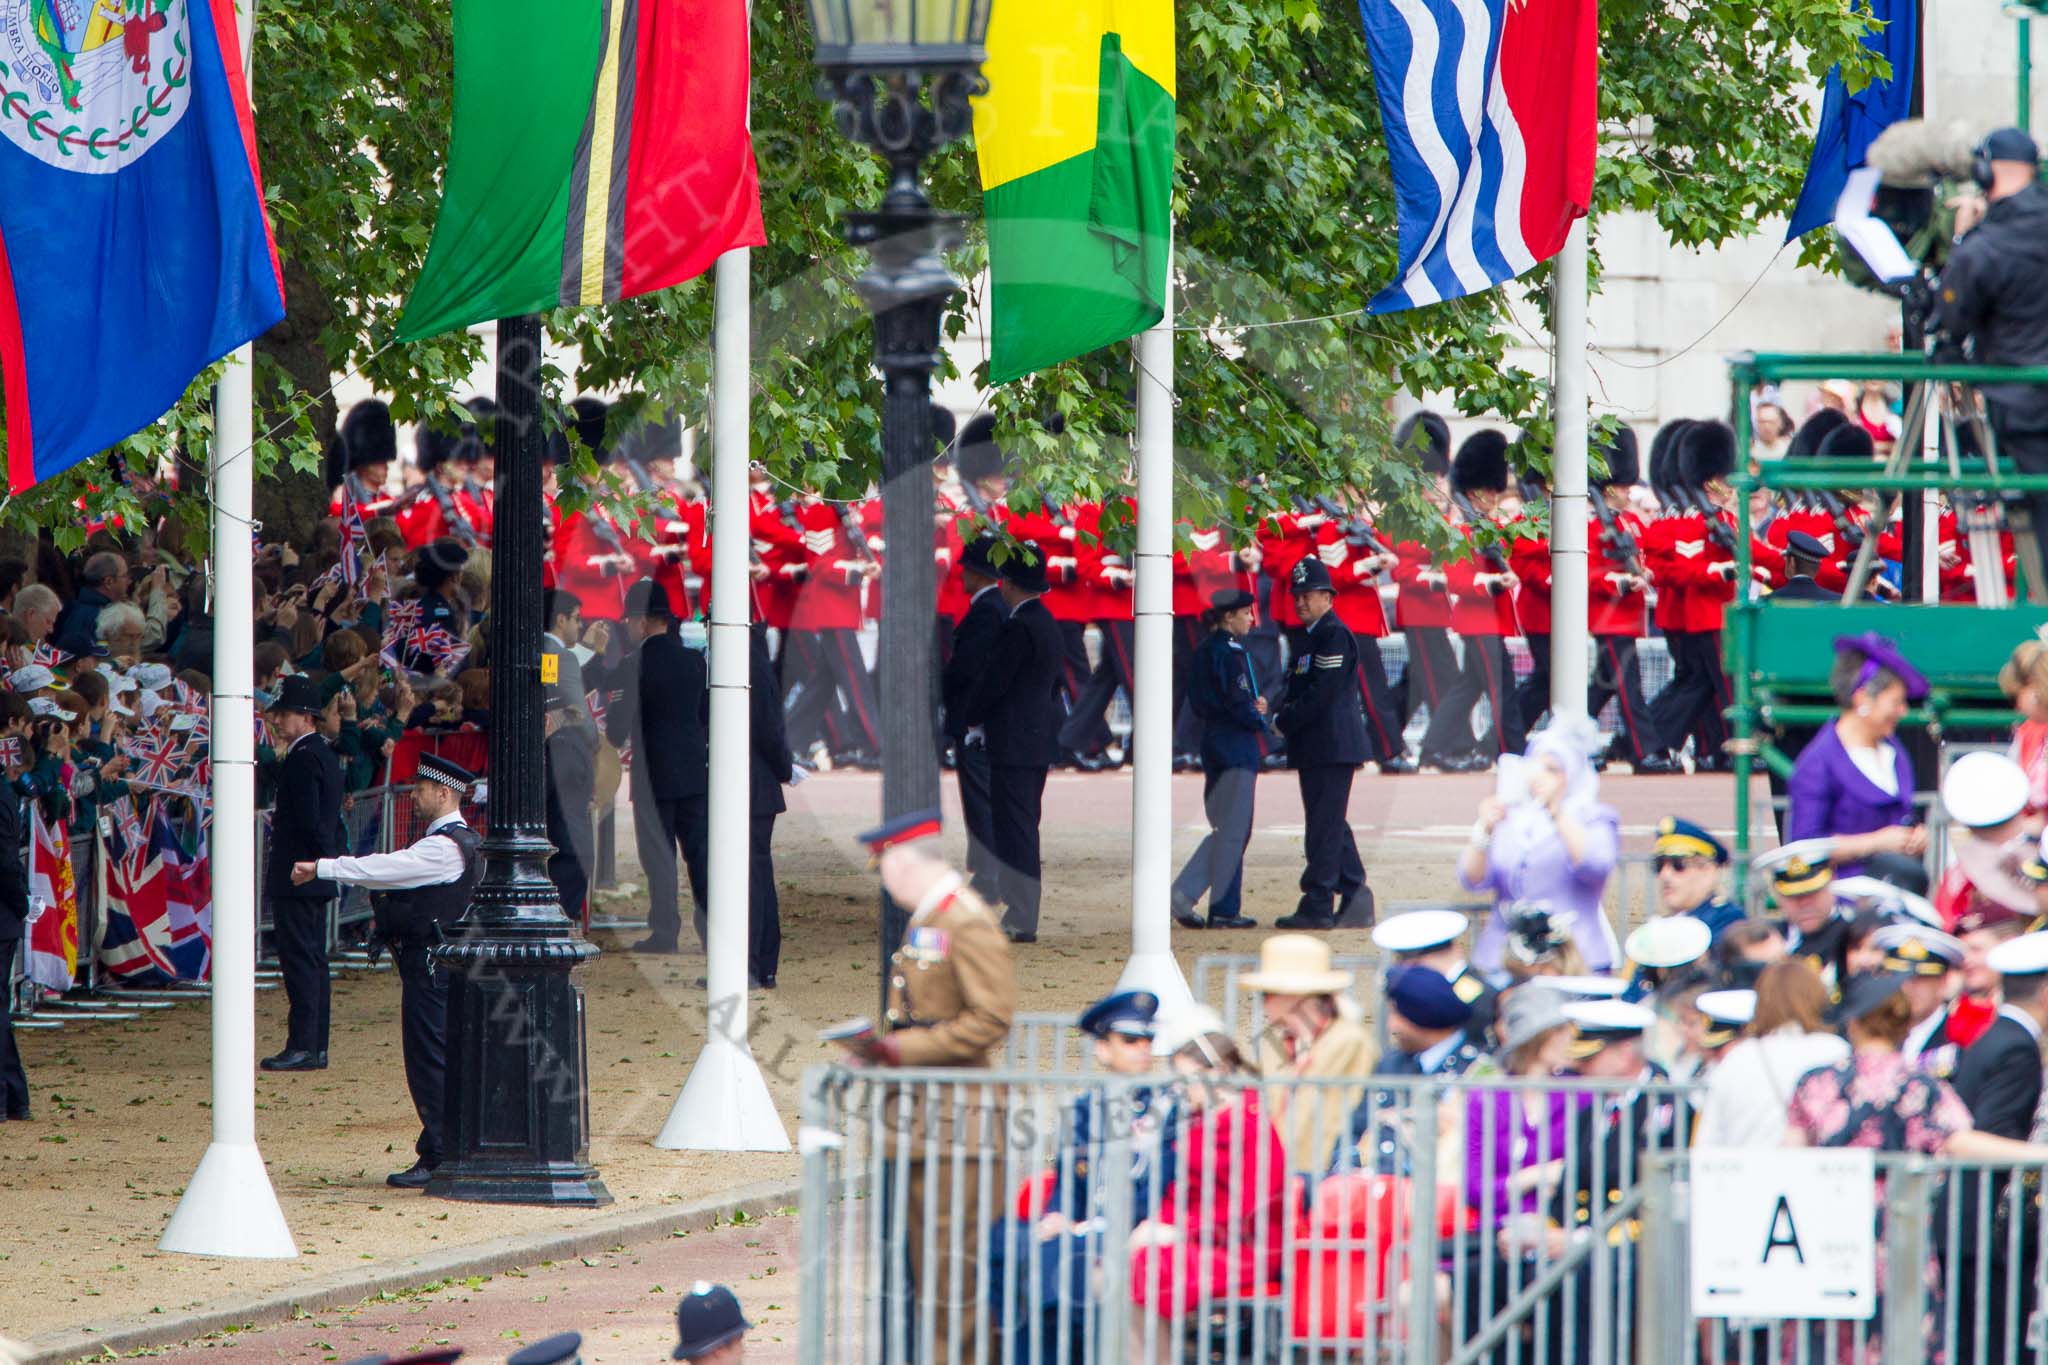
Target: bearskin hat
(1664, 445)
(590, 416)
(433, 447)
(1432, 445)
(1482, 462)
(369, 435)
(1848, 441)
(979, 456)
(1815, 429)
(944, 427)
(1707, 452)
(482, 426)
(1624, 461)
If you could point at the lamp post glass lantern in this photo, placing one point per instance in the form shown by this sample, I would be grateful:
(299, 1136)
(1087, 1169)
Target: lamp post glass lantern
(900, 74)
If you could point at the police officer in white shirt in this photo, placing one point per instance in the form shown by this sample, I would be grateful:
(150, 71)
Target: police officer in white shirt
(427, 888)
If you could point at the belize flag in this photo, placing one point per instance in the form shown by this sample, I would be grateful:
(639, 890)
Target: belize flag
(1490, 109)
(134, 251)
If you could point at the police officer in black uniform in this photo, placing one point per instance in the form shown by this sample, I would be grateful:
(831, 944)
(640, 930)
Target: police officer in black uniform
(710, 1326)
(1223, 690)
(306, 824)
(426, 888)
(1323, 718)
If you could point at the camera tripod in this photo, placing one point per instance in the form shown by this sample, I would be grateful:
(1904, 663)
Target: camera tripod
(1978, 515)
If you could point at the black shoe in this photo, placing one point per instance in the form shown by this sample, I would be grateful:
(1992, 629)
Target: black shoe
(413, 1177)
(1468, 763)
(1080, 762)
(1018, 935)
(760, 983)
(1403, 764)
(1659, 765)
(1184, 915)
(1273, 762)
(1298, 920)
(1230, 922)
(654, 945)
(293, 1059)
(1187, 763)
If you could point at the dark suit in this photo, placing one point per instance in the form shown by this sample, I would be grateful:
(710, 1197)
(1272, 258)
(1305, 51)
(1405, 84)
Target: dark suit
(1015, 704)
(660, 709)
(974, 641)
(13, 926)
(1804, 589)
(1999, 1078)
(305, 825)
(769, 768)
(1323, 717)
(572, 779)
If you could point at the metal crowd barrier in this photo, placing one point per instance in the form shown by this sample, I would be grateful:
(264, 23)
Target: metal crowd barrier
(1002, 1218)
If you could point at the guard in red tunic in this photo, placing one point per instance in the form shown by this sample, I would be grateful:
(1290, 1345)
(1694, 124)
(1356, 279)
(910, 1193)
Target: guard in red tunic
(1422, 610)
(1483, 613)
(596, 558)
(831, 694)
(1617, 611)
(360, 459)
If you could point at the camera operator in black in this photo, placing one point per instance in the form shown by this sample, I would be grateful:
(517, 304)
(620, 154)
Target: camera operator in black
(1994, 297)
(426, 888)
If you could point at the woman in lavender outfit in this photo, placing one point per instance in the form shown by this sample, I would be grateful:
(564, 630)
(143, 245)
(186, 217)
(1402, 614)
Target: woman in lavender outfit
(1555, 847)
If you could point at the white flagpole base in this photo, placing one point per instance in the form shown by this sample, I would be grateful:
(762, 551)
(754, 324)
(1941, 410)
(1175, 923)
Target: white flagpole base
(229, 1209)
(725, 1106)
(1160, 974)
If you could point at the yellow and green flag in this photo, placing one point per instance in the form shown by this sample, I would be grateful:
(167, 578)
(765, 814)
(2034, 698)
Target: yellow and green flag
(1076, 143)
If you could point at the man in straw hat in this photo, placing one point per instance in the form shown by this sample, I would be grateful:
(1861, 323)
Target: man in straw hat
(426, 888)
(1313, 1029)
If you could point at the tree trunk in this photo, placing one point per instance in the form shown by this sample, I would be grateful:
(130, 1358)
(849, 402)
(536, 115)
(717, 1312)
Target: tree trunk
(290, 504)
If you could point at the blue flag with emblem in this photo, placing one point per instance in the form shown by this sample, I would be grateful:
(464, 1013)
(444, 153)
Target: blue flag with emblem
(134, 251)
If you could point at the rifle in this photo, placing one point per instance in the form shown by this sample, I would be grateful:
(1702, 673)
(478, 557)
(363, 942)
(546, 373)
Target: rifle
(1490, 553)
(1356, 531)
(1621, 546)
(1846, 526)
(452, 516)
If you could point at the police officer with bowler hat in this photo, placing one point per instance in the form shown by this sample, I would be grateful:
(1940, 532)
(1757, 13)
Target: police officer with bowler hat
(306, 824)
(426, 889)
(1323, 718)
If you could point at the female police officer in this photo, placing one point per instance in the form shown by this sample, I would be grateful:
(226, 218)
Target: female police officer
(1224, 692)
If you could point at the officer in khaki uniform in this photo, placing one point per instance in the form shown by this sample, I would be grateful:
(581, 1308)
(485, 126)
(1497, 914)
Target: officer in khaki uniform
(951, 997)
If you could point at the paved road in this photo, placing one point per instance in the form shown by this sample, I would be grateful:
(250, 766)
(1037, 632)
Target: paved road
(623, 1302)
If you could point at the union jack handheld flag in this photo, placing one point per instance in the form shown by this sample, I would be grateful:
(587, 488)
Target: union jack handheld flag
(354, 537)
(400, 620)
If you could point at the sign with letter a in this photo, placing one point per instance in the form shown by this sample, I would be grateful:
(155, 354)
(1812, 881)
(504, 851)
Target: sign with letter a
(1784, 1233)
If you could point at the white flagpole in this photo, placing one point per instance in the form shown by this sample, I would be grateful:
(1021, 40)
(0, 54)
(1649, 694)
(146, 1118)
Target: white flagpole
(1152, 966)
(725, 1105)
(1569, 638)
(229, 1207)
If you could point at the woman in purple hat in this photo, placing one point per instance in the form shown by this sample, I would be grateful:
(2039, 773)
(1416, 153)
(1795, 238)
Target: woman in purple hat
(1854, 782)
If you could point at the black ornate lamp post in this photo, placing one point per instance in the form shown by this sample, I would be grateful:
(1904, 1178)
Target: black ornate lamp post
(517, 1125)
(899, 76)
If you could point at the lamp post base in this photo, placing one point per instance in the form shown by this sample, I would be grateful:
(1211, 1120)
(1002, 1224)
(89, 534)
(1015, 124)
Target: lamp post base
(517, 1126)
